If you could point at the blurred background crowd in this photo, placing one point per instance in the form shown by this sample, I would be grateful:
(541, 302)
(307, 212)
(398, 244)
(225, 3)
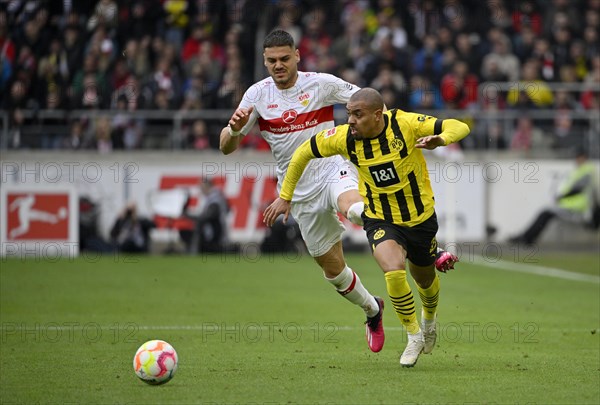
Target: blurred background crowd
(147, 74)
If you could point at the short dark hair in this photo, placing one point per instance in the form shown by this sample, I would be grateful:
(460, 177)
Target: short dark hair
(370, 96)
(278, 38)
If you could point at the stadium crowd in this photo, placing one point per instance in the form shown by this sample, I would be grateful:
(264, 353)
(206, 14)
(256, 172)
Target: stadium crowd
(193, 55)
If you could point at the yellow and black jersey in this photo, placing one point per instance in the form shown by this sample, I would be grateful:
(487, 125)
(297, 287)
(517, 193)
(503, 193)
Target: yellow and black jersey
(393, 177)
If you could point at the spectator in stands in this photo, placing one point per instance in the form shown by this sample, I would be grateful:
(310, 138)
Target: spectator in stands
(568, 74)
(75, 139)
(445, 37)
(105, 14)
(196, 93)
(52, 128)
(426, 16)
(560, 47)
(489, 132)
(390, 27)
(423, 95)
(427, 61)
(139, 21)
(500, 16)
(73, 46)
(231, 90)
(364, 62)
(389, 80)
(528, 137)
(346, 47)
(559, 13)
(524, 44)
(493, 72)
(211, 67)
(176, 21)
(197, 138)
(126, 131)
(210, 234)
(26, 66)
(544, 55)
(526, 15)
(567, 129)
(136, 55)
(7, 55)
(191, 46)
(501, 56)
(398, 59)
(592, 42)
(459, 87)
(467, 52)
(288, 20)
(578, 60)
(89, 86)
(315, 41)
(131, 232)
(489, 135)
(102, 46)
(32, 38)
(576, 201)
(103, 141)
(530, 91)
(15, 122)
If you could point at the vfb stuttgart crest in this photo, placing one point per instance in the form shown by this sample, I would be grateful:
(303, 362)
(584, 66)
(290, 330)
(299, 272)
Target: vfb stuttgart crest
(289, 116)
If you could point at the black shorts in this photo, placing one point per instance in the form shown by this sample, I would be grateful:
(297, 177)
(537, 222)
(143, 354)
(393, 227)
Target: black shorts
(418, 241)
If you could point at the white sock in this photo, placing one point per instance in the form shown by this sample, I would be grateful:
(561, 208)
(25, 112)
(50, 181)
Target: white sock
(348, 284)
(355, 211)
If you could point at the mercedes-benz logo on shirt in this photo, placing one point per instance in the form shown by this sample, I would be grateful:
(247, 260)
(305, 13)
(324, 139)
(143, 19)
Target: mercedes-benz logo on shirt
(289, 116)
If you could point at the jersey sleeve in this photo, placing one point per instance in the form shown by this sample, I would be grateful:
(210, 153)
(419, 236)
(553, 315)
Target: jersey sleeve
(336, 90)
(450, 130)
(423, 125)
(250, 100)
(328, 142)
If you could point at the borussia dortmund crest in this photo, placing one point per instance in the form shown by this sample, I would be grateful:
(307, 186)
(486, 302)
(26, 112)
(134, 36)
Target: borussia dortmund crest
(379, 234)
(396, 144)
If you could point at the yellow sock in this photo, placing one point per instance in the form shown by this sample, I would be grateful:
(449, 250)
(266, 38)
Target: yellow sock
(429, 298)
(402, 299)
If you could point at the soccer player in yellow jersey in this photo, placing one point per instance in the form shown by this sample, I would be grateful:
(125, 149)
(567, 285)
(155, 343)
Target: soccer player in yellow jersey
(399, 216)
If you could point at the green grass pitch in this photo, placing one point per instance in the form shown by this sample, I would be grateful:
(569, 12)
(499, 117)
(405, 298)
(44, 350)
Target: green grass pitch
(271, 330)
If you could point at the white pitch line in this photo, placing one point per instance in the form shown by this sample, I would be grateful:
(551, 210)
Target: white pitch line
(10, 328)
(538, 270)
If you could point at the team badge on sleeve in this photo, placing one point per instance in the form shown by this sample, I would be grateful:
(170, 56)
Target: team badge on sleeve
(329, 132)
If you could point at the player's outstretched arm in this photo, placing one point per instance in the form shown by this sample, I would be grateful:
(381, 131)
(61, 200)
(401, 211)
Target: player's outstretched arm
(452, 131)
(228, 143)
(230, 137)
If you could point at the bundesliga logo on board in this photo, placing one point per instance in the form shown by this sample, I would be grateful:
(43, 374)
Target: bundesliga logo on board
(39, 221)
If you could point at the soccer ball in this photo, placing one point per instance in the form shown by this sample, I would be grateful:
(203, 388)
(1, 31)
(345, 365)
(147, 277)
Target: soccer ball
(155, 362)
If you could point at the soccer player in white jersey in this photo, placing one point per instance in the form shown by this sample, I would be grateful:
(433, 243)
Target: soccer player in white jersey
(291, 106)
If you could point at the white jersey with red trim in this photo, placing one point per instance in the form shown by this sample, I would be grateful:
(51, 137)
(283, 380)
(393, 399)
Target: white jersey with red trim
(289, 117)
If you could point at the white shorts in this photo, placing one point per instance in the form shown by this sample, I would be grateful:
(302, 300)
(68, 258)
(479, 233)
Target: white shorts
(318, 220)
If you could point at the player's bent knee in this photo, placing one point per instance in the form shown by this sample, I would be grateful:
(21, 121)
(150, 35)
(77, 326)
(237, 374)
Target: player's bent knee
(347, 199)
(354, 213)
